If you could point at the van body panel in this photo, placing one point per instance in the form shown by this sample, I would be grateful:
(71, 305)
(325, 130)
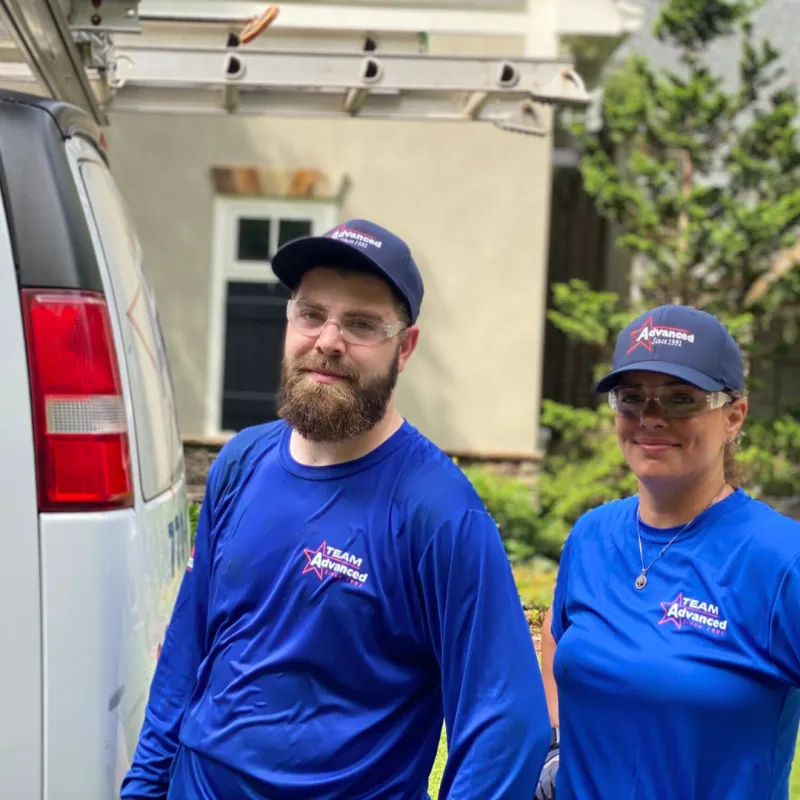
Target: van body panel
(20, 622)
(159, 548)
(89, 595)
(109, 582)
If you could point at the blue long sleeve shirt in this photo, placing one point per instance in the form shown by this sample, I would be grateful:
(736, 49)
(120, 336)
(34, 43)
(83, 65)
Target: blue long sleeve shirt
(330, 620)
(687, 689)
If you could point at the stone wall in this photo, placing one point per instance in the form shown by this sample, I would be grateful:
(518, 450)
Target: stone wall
(200, 454)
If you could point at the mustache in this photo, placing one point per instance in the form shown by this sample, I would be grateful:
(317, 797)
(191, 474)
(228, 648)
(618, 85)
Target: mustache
(324, 365)
(339, 411)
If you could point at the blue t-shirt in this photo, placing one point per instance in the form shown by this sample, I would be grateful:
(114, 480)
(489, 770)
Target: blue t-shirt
(687, 689)
(330, 620)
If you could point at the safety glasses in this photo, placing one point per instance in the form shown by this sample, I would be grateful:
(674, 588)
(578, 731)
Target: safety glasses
(359, 328)
(674, 401)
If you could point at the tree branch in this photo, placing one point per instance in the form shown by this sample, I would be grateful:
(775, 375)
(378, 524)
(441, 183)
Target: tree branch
(783, 262)
(687, 180)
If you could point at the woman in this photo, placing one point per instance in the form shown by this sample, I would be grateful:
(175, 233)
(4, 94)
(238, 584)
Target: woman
(675, 625)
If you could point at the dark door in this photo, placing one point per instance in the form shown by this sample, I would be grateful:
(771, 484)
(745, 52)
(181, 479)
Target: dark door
(578, 244)
(254, 329)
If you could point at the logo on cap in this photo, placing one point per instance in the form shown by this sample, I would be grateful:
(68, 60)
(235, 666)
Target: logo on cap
(648, 335)
(355, 238)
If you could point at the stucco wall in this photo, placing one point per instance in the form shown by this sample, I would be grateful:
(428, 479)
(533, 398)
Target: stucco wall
(472, 201)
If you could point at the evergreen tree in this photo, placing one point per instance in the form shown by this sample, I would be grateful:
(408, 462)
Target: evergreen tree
(703, 181)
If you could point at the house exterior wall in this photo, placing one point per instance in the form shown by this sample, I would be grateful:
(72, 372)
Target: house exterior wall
(472, 201)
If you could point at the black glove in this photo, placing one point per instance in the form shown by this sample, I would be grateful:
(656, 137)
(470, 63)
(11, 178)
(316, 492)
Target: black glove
(546, 788)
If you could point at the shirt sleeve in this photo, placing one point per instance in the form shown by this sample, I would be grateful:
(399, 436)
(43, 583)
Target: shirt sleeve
(495, 710)
(175, 674)
(560, 620)
(784, 633)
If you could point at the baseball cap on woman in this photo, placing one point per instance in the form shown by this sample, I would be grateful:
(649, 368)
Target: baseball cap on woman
(683, 342)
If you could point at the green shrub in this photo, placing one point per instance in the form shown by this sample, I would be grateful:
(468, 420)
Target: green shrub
(511, 503)
(700, 177)
(770, 452)
(584, 469)
(194, 515)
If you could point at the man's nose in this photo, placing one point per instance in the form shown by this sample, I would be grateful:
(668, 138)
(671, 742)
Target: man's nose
(330, 339)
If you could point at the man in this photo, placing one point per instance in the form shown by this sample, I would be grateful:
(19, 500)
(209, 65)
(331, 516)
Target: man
(348, 591)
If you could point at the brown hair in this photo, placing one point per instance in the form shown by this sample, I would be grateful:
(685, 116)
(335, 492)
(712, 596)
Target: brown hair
(735, 473)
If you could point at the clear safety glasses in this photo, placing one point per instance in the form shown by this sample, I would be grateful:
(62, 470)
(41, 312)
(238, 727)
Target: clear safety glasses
(358, 328)
(677, 401)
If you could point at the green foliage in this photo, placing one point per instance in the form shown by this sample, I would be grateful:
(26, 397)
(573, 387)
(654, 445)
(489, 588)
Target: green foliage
(705, 183)
(693, 24)
(771, 454)
(702, 178)
(535, 584)
(510, 501)
(586, 315)
(194, 515)
(587, 469)
(584, 470)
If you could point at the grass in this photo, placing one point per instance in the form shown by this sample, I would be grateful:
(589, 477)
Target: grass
(535, 585)
(536, 590)
(438, 768)
(441, 758)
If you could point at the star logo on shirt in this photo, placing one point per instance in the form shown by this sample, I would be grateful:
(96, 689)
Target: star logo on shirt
(672, 606)
(310, 555)
(327, 561)
(694, 613)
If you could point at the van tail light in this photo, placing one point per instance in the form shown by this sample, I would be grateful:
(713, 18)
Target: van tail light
(80, 429)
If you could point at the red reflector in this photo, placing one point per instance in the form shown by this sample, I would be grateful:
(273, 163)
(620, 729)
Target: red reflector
(81, 432)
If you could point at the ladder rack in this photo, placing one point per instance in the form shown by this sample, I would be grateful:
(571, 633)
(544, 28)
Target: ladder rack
(47, 45)
(77, 60)
(368, 85)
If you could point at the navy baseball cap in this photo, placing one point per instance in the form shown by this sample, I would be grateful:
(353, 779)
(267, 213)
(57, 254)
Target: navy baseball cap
(682, 342)
(358, 244)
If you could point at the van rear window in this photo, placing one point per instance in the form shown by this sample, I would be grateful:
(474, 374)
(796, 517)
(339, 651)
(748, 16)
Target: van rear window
(157, 436)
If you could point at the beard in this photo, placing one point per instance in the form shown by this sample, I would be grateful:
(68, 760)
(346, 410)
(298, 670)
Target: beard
(333, 412)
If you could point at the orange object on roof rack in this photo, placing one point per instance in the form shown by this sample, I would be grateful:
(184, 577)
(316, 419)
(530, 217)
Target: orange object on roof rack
(257, 25)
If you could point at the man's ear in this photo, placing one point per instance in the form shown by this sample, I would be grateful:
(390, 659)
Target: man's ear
(407, 346)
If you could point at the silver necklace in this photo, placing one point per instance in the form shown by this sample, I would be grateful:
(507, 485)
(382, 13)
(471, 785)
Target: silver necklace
(641, 580)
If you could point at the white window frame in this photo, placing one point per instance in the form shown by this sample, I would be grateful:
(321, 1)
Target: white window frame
(226, 267)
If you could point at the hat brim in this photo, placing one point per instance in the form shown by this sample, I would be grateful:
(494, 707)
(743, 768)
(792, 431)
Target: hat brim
(664, 367)
(294, 259)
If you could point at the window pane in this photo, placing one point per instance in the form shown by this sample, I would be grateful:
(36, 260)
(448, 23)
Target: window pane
(253, 240)
(289, 229)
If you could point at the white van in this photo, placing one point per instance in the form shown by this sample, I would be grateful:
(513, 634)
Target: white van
(95, 528)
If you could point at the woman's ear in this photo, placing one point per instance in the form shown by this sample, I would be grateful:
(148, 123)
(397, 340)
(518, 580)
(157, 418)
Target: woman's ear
(735, 414)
